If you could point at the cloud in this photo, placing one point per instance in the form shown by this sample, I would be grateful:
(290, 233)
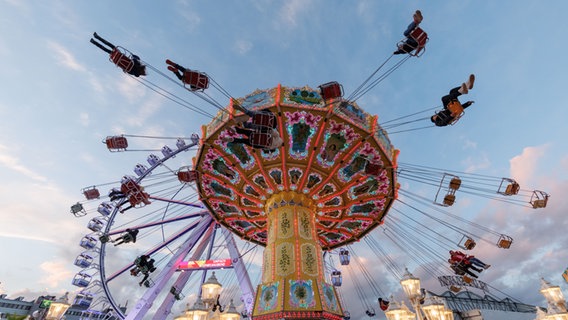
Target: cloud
(146, 111)
(64, 57)
(130, 88)
(290, 11)
(481, 161)
(13, 163)
(523, 166)
(55, 273)
(242, 46)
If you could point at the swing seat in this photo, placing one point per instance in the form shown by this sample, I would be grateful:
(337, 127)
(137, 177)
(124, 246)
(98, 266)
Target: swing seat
(467, 279)
(512, 189)
(91, 193)
(116, 143)
(421, 38)
(264, 119)
(260, 139)
(129, 186)
(455, 183)
(187, 176)
(121, 60)
(331, 90)
(78, 210)
(539, 199)
(504, 242)
(196, 80)
(539, 204)
(456, 109)
(449, 200)
(469, 244)
(373, 169)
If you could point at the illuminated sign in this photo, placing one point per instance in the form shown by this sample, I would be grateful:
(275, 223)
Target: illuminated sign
(45, 304)
(205, 264)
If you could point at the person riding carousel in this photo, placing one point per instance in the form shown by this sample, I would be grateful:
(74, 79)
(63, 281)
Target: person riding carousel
(261, 132)
(128, 236)
(453, 108)
(194, 79)
(130, 65)
(410, 43)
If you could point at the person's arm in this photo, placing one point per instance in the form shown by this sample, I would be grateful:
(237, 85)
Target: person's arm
(411, 27)
(467, 104)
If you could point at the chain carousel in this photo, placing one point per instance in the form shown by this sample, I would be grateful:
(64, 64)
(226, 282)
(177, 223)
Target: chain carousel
(330, 183)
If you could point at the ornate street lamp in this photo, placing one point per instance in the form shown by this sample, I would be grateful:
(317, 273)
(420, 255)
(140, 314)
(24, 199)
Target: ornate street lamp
(58, 308)
(433, 308)
(207, 306)
(411, 286)
(555, 299)
(210, 290)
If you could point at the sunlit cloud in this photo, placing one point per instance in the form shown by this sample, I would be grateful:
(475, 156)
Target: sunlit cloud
(55, 272)
(524, 165)
(64, 57)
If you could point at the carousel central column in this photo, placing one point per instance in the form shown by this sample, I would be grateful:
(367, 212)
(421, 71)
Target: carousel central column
(293, 279)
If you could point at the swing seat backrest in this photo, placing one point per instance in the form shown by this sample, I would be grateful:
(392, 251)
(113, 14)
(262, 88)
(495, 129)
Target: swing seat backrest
(512, 189)
(373, 169)
(196, 80)
(331, 90)
(259, 139)
(421, 38)
(121, 60)
(116, 143)
(264, 119)
(455, 108)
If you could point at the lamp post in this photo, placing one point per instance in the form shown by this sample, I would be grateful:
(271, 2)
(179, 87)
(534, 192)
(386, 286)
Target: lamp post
(555, 299)
(58, 308)
(207, 306)
(433, 308)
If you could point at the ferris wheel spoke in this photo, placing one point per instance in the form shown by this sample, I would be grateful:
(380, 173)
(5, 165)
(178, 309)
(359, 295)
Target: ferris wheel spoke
(159, 247)
(160, 222)
(146, 301)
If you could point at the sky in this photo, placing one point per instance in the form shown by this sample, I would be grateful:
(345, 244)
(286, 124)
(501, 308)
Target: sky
(61, 97)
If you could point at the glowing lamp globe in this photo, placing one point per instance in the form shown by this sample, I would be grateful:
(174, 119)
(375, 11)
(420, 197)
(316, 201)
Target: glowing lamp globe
(551, 293)
(433, 309)
(231, 313)
(563, 316)
(411, 286)
(399, 312)
(197, 312)
(58, 308)
(211, 289)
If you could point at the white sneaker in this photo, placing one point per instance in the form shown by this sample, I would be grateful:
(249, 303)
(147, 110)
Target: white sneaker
(470, 81)
(463, 89)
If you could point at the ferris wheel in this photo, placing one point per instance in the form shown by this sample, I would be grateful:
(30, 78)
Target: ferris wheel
(152, 240)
